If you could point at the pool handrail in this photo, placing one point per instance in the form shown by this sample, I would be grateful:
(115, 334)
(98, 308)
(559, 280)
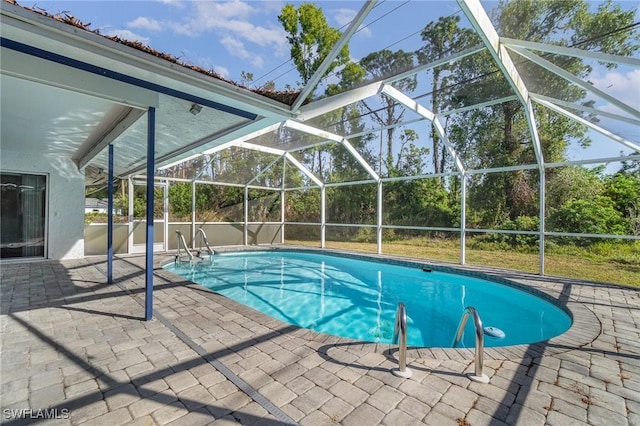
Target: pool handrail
(187, 257)
(201, 237)
(400, 333)
(478, 374)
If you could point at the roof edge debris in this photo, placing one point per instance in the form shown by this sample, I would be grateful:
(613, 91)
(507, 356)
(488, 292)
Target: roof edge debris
(286, 97)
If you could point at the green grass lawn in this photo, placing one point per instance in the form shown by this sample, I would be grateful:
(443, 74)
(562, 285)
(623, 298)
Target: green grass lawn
(612, 266)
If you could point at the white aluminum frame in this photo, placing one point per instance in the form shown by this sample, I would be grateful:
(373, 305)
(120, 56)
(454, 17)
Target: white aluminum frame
(500, 49)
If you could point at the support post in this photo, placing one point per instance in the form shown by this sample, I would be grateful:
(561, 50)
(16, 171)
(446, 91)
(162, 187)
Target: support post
(463, 218)
(282, 199)
(193, 214)
(323, 218)
(151, 142)
(542, 217)
(246, 215)
(165, 217)
(379, 227)
(131, 215)
(110, 219)
(282, 207)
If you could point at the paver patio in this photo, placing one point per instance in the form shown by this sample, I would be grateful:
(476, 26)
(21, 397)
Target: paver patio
(76, 348)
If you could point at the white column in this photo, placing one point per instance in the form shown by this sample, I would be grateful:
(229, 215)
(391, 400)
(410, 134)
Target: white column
(379, 227)
(282, 199)
(323, 194)
(193, 214)
(246, 215)
(463, 218)
(282, 205)
(542, 218)
(165, 193)
(130, 189)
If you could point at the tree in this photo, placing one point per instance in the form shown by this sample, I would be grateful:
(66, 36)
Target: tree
(442, 39)
(180, 201)
(311, 39)
(596, 216)
(380, 65)
(572, 183)
(247, 79)
(624, 191)
(499, 135)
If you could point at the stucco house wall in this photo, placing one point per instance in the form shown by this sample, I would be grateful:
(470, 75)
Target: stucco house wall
(65, 199)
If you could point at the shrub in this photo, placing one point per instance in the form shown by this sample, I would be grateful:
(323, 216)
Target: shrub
(596, 216)
(508, 241)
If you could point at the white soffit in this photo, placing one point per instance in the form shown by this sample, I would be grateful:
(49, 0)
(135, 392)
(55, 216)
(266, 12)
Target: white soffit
(37, 118)
(49, 35)
(53, 74)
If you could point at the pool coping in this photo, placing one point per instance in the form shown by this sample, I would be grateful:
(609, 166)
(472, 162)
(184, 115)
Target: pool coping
(581, 332)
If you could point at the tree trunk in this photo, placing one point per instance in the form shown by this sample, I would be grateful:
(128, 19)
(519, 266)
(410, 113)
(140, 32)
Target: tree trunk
(435, 105)
(518, 192)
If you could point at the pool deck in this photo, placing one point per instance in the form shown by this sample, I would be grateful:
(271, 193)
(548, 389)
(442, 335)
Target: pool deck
(77, 347)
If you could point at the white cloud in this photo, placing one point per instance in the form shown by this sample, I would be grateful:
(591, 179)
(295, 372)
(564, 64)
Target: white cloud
(623, 86)
(232, 18)
(237, 48)
(127, 35)
(273, 6)
(144, 23)
(181, 29)
(222, 71)
(225, 10)
(192, 57)
(175, 3)
(344, 17)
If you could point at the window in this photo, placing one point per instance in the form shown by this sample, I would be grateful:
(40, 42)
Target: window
(23, 215)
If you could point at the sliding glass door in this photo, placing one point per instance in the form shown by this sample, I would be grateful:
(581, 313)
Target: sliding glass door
(22, 215)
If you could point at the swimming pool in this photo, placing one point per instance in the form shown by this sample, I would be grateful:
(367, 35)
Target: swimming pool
(357, 298)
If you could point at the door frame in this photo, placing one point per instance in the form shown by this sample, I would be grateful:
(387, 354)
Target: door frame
(164, 222)
(45, 253)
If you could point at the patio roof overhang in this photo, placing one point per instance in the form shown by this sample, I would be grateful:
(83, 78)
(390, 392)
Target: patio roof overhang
(70, 92)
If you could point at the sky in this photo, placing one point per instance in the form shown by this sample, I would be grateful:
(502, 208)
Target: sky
(226, 36)
(233, 36)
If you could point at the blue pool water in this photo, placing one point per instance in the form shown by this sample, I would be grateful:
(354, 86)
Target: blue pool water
(358, 298)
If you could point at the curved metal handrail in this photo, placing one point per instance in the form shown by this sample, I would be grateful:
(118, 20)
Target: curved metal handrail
(201, 238)
(400, 333)
(187, 257)
(479, 357)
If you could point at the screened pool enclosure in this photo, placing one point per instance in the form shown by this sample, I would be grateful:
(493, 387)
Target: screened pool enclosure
(473, 127)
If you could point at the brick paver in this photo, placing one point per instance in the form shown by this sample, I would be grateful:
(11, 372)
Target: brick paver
(79, 348)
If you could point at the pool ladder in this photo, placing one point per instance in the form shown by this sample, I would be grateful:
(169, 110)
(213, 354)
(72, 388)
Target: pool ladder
(204, 252)
(400, 336)
(400, 333)
(183, 256)
(477, 375)
(203, 256)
